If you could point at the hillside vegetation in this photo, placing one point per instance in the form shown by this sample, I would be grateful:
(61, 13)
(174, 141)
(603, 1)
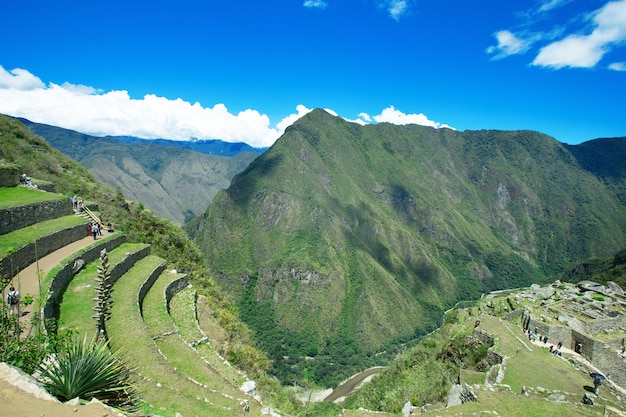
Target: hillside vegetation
(40, 161)
(342, 241)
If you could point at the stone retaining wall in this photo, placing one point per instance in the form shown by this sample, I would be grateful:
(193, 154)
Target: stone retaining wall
(15, 218)
(27, 255)
(147, 284)
(9, 175)
(173, 288)
(66, 273)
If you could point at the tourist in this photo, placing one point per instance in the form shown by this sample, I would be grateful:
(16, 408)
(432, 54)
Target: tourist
(13, 300)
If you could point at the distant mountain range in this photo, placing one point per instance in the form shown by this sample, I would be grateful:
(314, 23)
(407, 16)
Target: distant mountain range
(175, 179)
(344, 240)
(210, 146)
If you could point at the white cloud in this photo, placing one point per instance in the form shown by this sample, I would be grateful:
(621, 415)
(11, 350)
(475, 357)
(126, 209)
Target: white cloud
(301, 110)
(19, 79)
(617, 66)
(396, 8)
(84, 109)
(396, 117)
(114, 113)
(552, 4)
(508, 44)
(585, 51)
(315, 4)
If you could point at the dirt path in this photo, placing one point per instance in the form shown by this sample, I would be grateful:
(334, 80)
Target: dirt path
(27, 283)
(18, 396)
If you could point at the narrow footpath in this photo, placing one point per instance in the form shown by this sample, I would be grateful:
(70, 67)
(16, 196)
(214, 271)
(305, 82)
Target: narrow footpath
(27, 282)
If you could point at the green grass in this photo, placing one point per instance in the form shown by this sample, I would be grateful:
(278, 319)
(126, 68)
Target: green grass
(183, 311)
(188, 361)
(18, 238)
(164, 389)
(77, 302)
(155, 316)
(541, 369)
(510, 404)
(21, 196)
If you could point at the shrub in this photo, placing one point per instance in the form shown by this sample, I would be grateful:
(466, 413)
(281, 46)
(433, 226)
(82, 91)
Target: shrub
(88, 370)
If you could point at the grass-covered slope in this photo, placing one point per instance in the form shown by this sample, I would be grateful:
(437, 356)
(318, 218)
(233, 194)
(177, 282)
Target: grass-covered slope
(343, 239)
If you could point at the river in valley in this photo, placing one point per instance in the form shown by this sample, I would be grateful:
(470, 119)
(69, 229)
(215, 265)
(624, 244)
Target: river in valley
(350, 385)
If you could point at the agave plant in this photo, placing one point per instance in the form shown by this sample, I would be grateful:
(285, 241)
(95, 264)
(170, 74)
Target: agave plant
(89, 370)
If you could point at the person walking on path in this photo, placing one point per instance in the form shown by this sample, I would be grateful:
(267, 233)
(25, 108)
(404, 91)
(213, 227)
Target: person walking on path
(94, 230)
(13, 300)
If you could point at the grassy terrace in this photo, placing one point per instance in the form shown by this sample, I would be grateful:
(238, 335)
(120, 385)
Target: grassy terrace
(77, 303)
(164, 389)
(155, 316)
(21, 196)
(183, 357)
(183, 313)
(21, 237)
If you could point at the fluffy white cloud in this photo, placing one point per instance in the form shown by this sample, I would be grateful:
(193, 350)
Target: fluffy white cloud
(315, 4)
(115, 113)
(87, 110)
(396, 117)
(508, 44)
(19, 79)
(618, 66)
(585, 51)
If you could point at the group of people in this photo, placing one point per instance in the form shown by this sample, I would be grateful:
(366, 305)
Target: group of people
(77, 204)
(94, 229)
(27, 181)
(533, 336)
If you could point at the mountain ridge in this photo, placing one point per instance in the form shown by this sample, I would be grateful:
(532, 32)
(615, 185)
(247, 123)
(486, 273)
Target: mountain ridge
(174, 181)
(336, 214)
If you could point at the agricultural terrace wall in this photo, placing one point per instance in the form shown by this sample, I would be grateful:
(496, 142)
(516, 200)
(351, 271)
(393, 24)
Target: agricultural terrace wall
(14, 218)
(28, 254)
(147, 284)
(9, 175)
(173, 288)
(62, 279)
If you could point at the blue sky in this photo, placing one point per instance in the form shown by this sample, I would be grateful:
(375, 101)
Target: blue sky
(244, 70)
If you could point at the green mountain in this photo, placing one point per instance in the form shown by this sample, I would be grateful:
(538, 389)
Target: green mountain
(342, 241)
(601, 270)
(175, 183)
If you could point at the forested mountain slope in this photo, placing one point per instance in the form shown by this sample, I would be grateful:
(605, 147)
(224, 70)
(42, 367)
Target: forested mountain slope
(343, 240)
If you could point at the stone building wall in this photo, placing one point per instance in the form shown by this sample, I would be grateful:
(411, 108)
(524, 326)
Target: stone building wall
(15, 218)
(583, 345)
(610, 362)
(602, 325)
